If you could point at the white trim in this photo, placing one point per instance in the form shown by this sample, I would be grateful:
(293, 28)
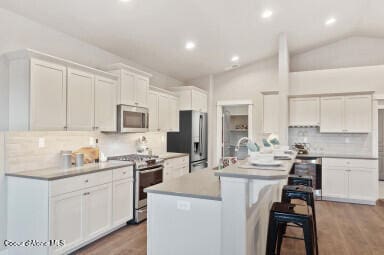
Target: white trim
(119, 66)
(378, 96)
(234, 102)
(184, 88)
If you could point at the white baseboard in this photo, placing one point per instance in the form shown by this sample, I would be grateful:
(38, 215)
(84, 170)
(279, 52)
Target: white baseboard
(348, 200)
(4, 252)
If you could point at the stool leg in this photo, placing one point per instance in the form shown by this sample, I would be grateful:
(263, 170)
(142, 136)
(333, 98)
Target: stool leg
(309, 237)
(312, 203)
(272, 235)
(280, 235)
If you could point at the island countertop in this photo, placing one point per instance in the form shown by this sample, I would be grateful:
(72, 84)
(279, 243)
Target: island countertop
(242, 170)
(201, 184)
(55, 173)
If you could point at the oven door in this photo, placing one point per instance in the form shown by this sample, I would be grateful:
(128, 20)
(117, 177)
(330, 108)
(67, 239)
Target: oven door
(145, 179)
(132, 119)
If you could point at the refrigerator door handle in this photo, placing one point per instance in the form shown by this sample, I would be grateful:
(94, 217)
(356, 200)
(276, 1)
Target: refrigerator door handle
(200, 134)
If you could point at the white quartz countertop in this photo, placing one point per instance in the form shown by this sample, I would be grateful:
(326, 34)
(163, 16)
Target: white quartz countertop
(201, 184)
(170, 155)
(243, 170)
(50, 174)
(330, 155)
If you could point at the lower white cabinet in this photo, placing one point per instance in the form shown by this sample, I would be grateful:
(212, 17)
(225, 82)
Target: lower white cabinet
(76, 209)
(175, 167)
(67, 219)
(350, 180)
(122, 201)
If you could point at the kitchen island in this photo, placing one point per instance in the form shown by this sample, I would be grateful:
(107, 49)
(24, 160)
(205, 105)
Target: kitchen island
(210, 212)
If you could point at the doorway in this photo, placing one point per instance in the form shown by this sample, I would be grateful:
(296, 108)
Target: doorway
(234, 121)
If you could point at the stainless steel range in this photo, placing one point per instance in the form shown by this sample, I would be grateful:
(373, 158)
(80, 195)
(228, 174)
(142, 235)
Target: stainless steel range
(148, 171)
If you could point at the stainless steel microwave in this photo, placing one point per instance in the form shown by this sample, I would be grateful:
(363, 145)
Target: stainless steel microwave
(132, 119)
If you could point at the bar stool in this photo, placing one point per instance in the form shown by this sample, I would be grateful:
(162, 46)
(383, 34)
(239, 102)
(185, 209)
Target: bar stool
(282, 214)
(305, 180)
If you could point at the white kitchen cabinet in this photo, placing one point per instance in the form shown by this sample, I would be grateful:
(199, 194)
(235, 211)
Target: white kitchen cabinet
(133, 86)
(50, 93)
(191, 98)
(76, 209)
(332, 114)
(105, 104)
(163, 111)
(304, 111)
(80, 100)
(350, 180)
(175, 167)
(127, 88)
(98, 210)
(47, 97)
(153, 104)
(122, 201)
(358, 113)
(66, 220)
(271, 113)
(346, 114)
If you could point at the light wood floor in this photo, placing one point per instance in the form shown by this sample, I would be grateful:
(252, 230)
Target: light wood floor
(344, 229)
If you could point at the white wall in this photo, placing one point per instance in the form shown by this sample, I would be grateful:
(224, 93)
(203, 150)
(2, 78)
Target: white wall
(19, 32)
(3, 211)
(245, 83)
(349, 52)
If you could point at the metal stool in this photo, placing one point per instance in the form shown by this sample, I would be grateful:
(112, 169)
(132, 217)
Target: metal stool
(280, 215)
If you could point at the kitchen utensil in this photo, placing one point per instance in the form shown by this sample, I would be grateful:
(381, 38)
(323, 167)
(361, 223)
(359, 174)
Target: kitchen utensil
(79, 159)
(66, 160)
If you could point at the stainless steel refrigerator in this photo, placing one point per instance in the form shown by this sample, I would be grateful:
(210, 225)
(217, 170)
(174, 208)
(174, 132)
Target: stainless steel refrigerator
(192, 138)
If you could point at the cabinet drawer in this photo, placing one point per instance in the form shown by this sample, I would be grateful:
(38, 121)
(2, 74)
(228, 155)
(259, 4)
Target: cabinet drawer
(350, 163)
(79, 182)
(122, 173)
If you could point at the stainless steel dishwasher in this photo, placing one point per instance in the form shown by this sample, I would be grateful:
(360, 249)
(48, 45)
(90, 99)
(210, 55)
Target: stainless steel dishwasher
(310, 166)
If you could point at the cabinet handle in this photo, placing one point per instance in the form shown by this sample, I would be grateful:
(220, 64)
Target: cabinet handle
(86, 193)
(65, 127)
(124, 172)
(86, 181)
(136, 103)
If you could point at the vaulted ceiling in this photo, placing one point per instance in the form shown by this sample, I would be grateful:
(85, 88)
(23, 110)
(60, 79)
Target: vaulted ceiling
(154, 32)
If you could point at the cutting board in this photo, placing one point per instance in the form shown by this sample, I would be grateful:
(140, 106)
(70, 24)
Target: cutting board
(91, 154)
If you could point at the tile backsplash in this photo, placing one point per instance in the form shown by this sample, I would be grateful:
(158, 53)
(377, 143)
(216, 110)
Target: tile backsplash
(22, 152)
(332, 143)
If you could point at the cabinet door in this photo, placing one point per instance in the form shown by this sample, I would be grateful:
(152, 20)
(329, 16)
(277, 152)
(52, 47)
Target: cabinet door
(66, 220)
(363, 184)
(271, 113)
(167, 171)
(80, 104)
(199, 101)
(335, 182)
(174, 114)
(304, 111)
(141, 91)
(357, 114)
(127, 88)
(122, 201)
(98, 210)
(48, 96)
(153, 103)
(164, 118)
(105, 104)
(332, 114)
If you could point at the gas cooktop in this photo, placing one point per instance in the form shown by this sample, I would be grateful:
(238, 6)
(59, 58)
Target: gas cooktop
(140, 161)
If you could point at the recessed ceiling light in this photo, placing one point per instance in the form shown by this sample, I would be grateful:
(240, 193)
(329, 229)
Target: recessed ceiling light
(330, 21)
(235, 58)
(190, 45)
(267, 13)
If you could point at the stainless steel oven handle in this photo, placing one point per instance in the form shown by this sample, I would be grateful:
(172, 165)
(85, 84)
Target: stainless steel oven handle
(151, 170)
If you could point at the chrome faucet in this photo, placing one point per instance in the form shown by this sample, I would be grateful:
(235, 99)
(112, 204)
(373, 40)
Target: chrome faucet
(237, 147)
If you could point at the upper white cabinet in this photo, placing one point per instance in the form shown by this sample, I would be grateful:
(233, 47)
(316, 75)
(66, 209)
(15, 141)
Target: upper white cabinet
(50, 93)
(47, 86)
(163, 111)
(346, 114)
(105, 104)
(133, 85)
(191, 98)
(81, 101)
(304, 111)
(271, 113)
